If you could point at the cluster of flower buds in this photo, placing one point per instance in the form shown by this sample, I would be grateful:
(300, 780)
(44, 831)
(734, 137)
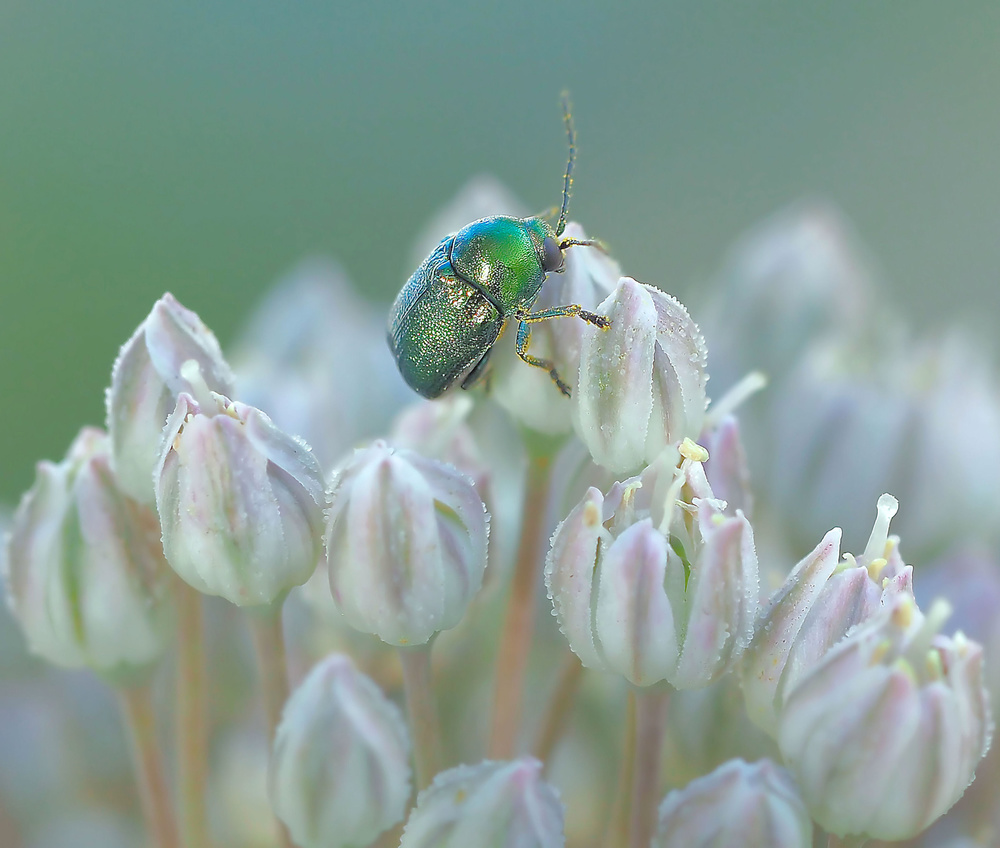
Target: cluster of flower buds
(655, 581)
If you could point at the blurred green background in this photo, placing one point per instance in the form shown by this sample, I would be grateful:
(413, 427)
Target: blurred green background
(205, 148)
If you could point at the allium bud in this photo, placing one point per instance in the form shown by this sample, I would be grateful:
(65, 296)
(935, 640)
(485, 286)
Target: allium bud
(527, 393)
(490, 804)
(654, 581)
(884, 734)
(86, 575)
(241, 502)
(406, 544)
(642, 381)
(726, 467)
(737, 804)
(820, 601)
(340, 773)
(145, 382)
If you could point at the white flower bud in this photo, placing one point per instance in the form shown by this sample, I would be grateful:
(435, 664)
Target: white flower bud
(655, 582)
(884, 734)
(145, 381)
(528, 394)
(406, 544)
(642, 380)
(86, 577)
(340, 774)
(240, 501)
(726, 467)
(487, 805)
(820, 601)
(737, 804)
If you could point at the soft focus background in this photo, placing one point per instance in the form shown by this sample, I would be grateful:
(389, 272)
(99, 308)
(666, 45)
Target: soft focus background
(206, 148)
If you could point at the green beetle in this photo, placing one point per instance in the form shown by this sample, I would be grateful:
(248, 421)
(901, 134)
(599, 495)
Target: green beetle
(446, 319)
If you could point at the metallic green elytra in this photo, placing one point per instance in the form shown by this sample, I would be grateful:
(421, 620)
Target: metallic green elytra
(446, 319)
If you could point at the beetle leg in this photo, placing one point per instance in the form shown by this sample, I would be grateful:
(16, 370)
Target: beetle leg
(477, 373)
(521, 346)
(572, 310)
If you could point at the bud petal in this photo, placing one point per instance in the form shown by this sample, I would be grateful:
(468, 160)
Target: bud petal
(406, 544)
(737, 804)
(820, 601)
(885, 732)
(493, 803)
(241, 502)
(642, 381)
(340, 774)
(86, 575)
(145, 381)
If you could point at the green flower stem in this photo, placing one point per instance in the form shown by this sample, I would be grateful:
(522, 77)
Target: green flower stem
(269, 645)
(618, 822)
(650, 721)
(518, 626)
(192, 726)
(560, 707)
(425, 728)
(154, 796)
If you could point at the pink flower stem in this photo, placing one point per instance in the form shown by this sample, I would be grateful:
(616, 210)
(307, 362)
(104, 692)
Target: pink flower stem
(618, 822)
(425, 727)
(191, 719)
(154, 796)
(518, 626)
(651, 713)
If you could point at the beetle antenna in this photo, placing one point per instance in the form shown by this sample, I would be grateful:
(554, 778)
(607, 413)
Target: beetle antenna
(568, 179)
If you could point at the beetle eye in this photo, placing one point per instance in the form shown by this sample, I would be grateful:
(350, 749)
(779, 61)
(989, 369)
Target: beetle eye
(552, 256)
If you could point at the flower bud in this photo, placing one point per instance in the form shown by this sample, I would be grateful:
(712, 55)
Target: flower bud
(820, 601)
(642, 380)
(406, 544)
(340, 774)
(654, 581)
(884, 734)
(528, 394)
(145, 381)
(726, 467)
(241, 502)
(493, 803)
(86, 577)
(737, 804)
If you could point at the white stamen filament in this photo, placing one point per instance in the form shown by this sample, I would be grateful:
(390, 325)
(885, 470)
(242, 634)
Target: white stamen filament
(887, 507)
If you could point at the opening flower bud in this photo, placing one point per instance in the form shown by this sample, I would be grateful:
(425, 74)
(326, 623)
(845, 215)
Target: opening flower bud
(86, 575)
(145, 382)
(406, 544)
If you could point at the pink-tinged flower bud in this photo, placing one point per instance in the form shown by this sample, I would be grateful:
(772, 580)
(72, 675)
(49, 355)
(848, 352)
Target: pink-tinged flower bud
(655, 581)
(406, 544)
(86, 577)
(737, 804)
(340, 773)
(527, 394)
(726, 466)
(145, 382)
(490, 804)
(884, 734)
(642, 380)
(240, 501)
(820, 601)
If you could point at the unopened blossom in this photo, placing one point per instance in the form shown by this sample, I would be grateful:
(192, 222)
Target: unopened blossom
(340, 773)
(528, 394)
(642, 380)
(86, 578)
(885, 732)
(726, 467)
(752, 804)
(406, 543)
(241, 502)
(655, 581)
(822, 598)
(145, 382)
(487, 805)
